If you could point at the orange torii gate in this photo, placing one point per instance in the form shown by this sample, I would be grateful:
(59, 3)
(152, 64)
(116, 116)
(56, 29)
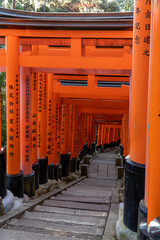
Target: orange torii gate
(106, 111)
(60, 68)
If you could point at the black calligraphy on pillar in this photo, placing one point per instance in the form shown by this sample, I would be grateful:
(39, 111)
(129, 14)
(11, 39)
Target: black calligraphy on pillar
(40, 105)
(27, 113)
(17, 107)
(34, 114)
(49, 133)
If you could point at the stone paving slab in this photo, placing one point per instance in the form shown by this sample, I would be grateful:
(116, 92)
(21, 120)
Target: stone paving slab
(64, 218)
(102, 161)
(90, 194)
(110, 177)
(103, 169)
(91, 188)
(42, 208)
(81, 199)
(89, 197)
(87, 191)
(99, 182)
(59, 229)
(6, 234)
(54, 233)
(76, 205)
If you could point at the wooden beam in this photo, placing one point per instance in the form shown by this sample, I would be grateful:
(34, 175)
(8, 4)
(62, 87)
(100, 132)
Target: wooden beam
(94, 93)
(103, 111)
(66, 33)
(124, 62)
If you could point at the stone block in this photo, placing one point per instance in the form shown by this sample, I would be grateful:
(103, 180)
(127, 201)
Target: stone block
(86, 160)
(118, 161)
(120, 172)
(84, 170)
(124, 233)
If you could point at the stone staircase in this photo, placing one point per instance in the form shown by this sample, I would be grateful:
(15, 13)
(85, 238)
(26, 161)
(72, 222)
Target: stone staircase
(78, 213)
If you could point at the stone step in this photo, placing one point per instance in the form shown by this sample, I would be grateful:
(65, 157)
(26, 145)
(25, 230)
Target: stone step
(88, 192)
(101, 161)
(98, 182)
(110, 177)
(6, 234)
(64, 218)
(105, 198)
(98, 185)
(91, 190)
(42, 208)
(74, 198)
(92, 187)
(45, 227)
(76, 205)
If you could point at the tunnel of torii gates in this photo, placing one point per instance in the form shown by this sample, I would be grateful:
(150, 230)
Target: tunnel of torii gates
(68, 73)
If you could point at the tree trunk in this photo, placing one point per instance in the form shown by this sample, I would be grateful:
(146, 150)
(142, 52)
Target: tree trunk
(13, 5)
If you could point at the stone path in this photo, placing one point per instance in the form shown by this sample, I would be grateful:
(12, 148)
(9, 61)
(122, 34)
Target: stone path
(87, 210)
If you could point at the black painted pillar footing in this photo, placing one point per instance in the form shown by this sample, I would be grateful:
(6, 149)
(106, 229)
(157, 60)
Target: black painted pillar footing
(98, 147)
(15, 184)
(89, 150)
(82, 151)
(60, 172)
(65, 162)
(121, 150)
(43, 170)
(3, 182)
(35, 168)
(134, 192)
(85, 148)
(143, 230)
(29, 184)
(71, 165)
(124, 160)
(80, 155)
(78, 164)
(51, 171)
(93, 147)
(56, 172)
(74, 164)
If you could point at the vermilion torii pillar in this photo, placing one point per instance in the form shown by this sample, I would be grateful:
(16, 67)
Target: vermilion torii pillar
(65, 136)
(26, 130)
(108, 134)
(125, 134)
(93, 134)
(14, 174)
(72, 127)
(152, 190)
(35, 163)
(111, 135)
(49, 126)
(114, 134)
(135, 166)
(41, 129)
(56, 132)
(99, 135)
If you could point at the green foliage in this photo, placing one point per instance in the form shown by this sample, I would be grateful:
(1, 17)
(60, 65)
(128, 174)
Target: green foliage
(70, 5)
